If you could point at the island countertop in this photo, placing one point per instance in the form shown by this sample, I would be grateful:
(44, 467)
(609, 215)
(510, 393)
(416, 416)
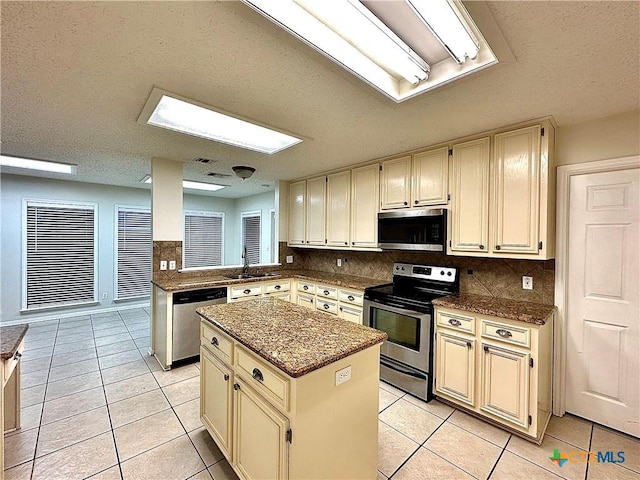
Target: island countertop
(295, 339)
(11, 337)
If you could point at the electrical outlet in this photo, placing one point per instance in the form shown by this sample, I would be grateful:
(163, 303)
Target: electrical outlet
(343, 375)
(163, 264)
(289, 258)
(339, 262)
(527, 283)
(105, 295)
(172, 265)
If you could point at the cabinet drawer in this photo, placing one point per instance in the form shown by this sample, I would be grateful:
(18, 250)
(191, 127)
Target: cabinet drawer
(216, 342)
(461, 323)
(350, 296)
(353, 314)
(11, 363)
(263, 377)
(273, 287)
(326, 292)
(245, 290)
(306, 287)
(306, 301)
(282, 295)
(503, 332)
(327, 306)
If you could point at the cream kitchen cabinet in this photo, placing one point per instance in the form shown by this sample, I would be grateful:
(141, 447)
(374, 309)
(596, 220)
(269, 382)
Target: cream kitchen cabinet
(338, 209)
(216, 395)
(297, 212)
(351, 302)
(503, 203)
(395, 183)
(315, 213)
(497, 368)
(252, 290)
(365, 198)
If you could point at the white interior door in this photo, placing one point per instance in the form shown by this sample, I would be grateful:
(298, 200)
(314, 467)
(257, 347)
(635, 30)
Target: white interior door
(603, 317)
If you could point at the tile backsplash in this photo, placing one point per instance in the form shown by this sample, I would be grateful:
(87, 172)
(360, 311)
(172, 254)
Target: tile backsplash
(169, 251)
(485, 276)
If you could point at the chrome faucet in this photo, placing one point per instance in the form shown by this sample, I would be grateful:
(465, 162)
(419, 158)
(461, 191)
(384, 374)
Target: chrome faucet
(245, 266)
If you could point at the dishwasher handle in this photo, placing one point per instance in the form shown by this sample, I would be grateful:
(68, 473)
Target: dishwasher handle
(202, 295)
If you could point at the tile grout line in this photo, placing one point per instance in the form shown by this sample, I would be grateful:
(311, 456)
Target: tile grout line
(499, 457)
(586, 470)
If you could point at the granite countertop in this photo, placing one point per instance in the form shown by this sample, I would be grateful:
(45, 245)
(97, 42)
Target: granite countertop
(11, 336)
(185, 282)
(294, 339)
(529, 312)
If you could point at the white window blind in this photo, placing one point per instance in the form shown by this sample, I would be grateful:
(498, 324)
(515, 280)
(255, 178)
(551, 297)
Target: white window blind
(60, 255)
(133, 277)
(203, 234)
(251, 233)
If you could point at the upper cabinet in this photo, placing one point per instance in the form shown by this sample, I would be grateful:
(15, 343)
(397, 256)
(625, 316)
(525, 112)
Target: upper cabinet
(315, 212)
(338, 206)
(503, 204)
(416, 180)
(365, 193)
(297, 212)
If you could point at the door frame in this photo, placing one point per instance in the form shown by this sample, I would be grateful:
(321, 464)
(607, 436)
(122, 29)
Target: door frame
(564, 175)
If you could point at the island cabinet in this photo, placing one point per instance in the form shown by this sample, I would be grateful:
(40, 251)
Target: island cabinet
(305, 416)
(496, 367)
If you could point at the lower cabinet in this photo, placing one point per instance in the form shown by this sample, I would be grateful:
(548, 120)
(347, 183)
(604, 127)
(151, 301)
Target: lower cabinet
(215, 399)
(497, 368)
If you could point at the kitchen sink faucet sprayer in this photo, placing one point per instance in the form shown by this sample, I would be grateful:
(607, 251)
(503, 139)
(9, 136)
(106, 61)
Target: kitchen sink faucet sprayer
(245, 266)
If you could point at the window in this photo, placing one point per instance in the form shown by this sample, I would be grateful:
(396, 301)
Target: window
(59, 254)
(251, 233)
(133, 253)
(203, 234)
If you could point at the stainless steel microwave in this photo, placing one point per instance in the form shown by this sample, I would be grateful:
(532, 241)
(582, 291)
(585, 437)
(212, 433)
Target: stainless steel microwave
(421, 229)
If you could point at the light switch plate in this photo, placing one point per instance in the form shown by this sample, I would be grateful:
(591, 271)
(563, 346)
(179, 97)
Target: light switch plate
(527, 283)
(172, 265)
(339, 262)
(289, 258)
(163, 264)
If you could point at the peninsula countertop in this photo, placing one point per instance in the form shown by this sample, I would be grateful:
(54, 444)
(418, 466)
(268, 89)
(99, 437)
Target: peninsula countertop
(528, 312)
(184, 281)
(11, 337)
(294, 339)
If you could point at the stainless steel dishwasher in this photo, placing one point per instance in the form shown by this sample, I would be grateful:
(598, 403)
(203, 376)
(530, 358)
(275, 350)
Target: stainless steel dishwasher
(186, 322)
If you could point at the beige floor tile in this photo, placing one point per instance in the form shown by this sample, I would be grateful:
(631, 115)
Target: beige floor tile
(38, 353)
(30, 416)
(393, 449)
(130, 387)
(177, 459)
(152, 362)
(189, 414)
(107, 332)
(121, 358)
(120, 345)
(21, 472)
(73, 370)
(147, 433)
(139, 333)
(73, 344)
(72, 385)
(71, 405)
(176, 375)
(426, 465)
(20, 447)
(570, 429)
(122, 372)
(205, 446)
(385, 399)
(101, 325)
(480, 428)
(57, 435)
(381, 476)
(465, 450)
(29, 366)
(36, 343)
(605, 439)
(112, 473)
(142, 342)
(222, 471)
(610, 471)
(513, 467)
(77, 330)
(203, 475)
(77, 461)
(391, 389)
(413, 421)
(32, 396)
(135, 408)
(439, 409)
(67, 358)
(28, 380)
(182, 392)
(540, 455)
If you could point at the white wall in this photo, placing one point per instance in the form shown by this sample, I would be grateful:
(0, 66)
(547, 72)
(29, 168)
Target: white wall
(264, 203)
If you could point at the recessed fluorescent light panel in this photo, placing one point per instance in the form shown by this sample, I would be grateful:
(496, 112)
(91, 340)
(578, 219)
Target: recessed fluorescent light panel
(181, 115)
(210, 187)
(30, 164)
(352, 35)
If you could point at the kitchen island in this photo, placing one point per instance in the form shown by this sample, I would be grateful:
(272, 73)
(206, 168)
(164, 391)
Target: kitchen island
(290, 393)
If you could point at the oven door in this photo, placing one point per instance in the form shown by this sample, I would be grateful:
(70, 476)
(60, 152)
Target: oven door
(408, 331)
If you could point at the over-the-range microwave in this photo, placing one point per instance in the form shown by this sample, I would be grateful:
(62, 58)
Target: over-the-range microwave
(419, 229)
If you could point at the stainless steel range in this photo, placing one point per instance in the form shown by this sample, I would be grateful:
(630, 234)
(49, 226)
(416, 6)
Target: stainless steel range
(404, 310)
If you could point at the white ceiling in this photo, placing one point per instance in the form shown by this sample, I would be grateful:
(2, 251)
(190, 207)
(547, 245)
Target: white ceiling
(75, 76)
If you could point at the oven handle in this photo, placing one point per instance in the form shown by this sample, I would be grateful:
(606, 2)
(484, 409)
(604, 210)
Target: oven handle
(404, 372)
(394, 307)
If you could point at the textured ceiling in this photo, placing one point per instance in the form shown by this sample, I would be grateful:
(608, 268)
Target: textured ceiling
(75, 76)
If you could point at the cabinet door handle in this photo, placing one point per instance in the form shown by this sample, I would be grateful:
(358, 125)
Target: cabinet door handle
(504, 333)
(346, 243)
(257, 374)
(497, 247)
(246, 291)
(351, 298)
(481, 247)
(406, 203)
(353, 243)
(305, 288)
(454, 322)
(17, 355)
(277, 287)
(214, 341)
(226, 377)
(468, 344)
(325, 306)
(236, 386)
(415, 202)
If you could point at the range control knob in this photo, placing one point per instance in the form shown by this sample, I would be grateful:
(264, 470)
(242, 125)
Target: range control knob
(449, 273)
(441, 272)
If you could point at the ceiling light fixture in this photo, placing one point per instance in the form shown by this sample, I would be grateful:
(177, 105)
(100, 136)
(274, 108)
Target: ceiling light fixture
(186, 116)
(42, 165)
(210, 187)
(243, 172)
(445, 21)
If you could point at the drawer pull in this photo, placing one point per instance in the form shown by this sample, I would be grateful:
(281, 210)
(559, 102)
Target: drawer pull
(326, 292)
(481, 247)
(236, 386)
(17, 355)
(454, 322)
(468, 344)
(226, 377)
(257, 374)
(306, 287)
(351, 298)
(246, 291)
(497, 247)
(504, 333)
(214, 341)
(277, 287)
(325, 306)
